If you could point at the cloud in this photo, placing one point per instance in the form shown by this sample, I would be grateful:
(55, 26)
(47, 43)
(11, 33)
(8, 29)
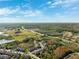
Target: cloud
(12, 20)
(63, 3)
(49, 2)
(58, 17)
(24, 20)
(32, 13)
(18, 12)
(59, 3)
(7, 11)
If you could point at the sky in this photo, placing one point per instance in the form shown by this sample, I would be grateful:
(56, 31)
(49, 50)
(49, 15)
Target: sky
(39, 11)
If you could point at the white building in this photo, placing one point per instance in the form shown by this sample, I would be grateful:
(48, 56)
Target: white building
(4, 41)
(3, 34)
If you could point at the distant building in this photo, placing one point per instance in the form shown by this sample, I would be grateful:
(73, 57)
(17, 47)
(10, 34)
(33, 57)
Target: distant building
(32, 49)
(20, 49)
(67, 35)
(4, 57)
(4, 41)
(3, 34)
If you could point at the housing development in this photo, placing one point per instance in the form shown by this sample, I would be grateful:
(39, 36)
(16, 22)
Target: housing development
(39, 41)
